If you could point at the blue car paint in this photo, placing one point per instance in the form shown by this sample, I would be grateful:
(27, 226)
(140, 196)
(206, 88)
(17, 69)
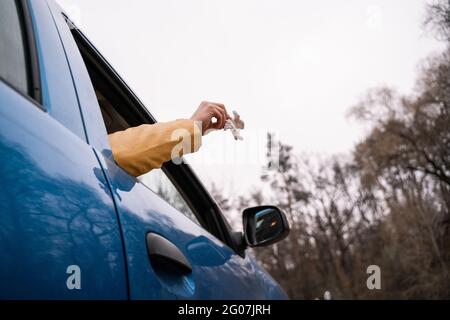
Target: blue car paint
(55, 211)
(218, 272)
(51, 160)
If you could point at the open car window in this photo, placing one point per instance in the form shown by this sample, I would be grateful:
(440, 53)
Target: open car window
(121, 109)
(155, 180)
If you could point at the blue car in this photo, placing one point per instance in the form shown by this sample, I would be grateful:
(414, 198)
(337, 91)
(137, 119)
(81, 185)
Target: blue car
(73, 224)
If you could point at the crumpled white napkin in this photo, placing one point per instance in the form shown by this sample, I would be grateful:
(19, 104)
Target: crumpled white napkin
(235, 125)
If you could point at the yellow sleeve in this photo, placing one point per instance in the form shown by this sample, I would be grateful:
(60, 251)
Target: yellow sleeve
(140, 149)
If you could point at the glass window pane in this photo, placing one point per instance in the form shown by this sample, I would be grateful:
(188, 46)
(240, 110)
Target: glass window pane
(158, 182)
(13, 66)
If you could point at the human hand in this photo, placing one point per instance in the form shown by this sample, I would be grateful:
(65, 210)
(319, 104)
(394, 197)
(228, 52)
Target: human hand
(205, 113)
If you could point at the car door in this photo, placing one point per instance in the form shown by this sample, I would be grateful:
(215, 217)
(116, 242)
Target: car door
(192, 260)
(59, 235)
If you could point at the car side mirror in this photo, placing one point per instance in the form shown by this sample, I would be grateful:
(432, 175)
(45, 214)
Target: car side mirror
(264, 225)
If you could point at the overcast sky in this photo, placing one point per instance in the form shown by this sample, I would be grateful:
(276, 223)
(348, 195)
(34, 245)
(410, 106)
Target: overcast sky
(288, 66)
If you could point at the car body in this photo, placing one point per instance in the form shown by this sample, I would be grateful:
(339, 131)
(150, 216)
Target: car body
(67, 209)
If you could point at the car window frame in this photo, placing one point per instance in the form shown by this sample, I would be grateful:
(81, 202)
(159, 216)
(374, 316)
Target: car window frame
(181, 176)
(33, 93)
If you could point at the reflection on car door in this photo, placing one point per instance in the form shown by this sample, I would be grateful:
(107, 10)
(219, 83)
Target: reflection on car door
(218, 272)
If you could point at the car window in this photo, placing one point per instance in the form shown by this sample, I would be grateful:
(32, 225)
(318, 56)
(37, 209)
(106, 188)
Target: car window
(121, 109)
(157, 181)
(13, 55)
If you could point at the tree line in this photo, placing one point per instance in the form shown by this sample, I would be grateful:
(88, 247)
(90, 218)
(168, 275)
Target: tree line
(387, 203)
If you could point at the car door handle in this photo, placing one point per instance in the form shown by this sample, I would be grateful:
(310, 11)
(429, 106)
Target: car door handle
(164, 255)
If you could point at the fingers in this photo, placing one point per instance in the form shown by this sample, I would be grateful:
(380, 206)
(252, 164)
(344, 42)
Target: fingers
(217, 113)
(221, 117)
(208, 110)
(220, 105)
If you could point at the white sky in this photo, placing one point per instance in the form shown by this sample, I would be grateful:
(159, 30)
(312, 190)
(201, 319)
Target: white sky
(289, 66)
